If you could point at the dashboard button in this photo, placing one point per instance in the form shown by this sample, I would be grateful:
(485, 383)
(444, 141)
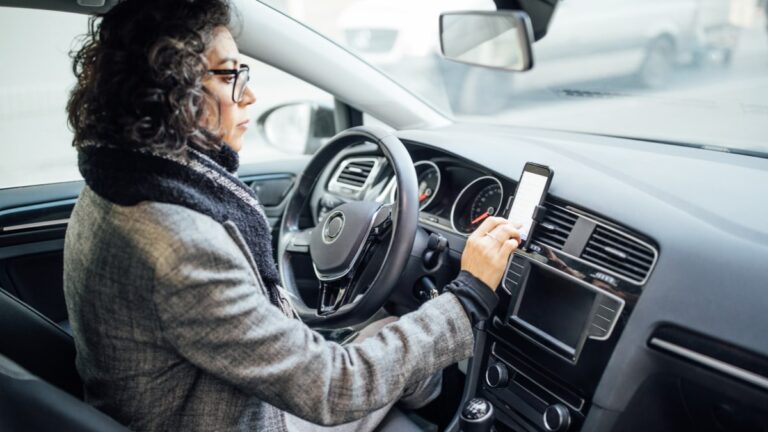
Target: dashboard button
(497, 376)
(557, 418)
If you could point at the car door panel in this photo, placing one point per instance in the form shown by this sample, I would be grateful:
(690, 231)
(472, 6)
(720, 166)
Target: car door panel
(33, 223)
(271, 190)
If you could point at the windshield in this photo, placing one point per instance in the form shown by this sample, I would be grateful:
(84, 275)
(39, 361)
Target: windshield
(693, 72)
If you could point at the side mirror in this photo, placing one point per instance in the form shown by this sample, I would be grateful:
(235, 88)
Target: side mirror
(496, 39)
(297, 127)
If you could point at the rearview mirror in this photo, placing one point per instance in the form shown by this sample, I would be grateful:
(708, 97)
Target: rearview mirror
(496, 39)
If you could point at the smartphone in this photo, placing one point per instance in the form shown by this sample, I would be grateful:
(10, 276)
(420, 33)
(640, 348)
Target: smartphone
(530, 193)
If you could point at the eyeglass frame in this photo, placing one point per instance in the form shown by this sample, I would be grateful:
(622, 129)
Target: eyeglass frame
(236, 73)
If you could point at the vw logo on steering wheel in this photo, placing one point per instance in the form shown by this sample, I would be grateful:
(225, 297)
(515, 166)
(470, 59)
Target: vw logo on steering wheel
(333, 226)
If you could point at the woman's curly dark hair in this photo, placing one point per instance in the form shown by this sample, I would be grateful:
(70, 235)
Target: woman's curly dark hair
(140, 76)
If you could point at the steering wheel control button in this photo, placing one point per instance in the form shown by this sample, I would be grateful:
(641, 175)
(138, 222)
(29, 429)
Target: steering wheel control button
(497, 376)
(557, 418)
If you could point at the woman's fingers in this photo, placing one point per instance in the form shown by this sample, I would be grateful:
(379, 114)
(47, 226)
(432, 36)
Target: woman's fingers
(508, 247)
(506, 231)
(488, 225)
(487, 250)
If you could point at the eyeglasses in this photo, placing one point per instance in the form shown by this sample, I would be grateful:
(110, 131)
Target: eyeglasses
(242, 75)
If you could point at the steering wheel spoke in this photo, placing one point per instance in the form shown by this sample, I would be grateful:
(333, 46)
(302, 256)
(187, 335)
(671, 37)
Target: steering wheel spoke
(298, 241)
(334, 294)
(382, 224)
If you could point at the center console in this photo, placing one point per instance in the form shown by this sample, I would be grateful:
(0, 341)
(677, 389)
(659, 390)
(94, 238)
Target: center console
(562, 308)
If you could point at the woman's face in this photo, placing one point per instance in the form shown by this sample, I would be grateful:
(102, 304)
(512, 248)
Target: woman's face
(234, 121)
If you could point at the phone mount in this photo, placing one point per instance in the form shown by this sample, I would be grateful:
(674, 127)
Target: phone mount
(538, 216)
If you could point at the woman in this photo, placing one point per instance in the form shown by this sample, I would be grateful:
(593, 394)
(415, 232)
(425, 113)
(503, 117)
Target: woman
(171, 289)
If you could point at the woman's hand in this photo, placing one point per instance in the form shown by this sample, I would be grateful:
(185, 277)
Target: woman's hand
(488, 249)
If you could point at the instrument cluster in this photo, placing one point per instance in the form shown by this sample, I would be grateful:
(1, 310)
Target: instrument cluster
(454, 196)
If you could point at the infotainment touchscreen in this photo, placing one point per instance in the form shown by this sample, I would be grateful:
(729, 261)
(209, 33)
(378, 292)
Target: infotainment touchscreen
(556, 306)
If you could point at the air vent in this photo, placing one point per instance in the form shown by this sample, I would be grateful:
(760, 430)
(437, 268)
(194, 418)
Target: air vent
(355, 173)
(619, 253)
(553, 231)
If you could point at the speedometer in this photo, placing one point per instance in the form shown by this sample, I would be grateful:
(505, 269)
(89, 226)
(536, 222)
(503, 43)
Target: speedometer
(486, 204)
(479, 200)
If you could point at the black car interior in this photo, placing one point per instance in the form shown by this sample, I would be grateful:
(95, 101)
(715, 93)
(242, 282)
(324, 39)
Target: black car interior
(29, 404)
(543, 361)
(48, 382)
(639, 304)
(45, 349)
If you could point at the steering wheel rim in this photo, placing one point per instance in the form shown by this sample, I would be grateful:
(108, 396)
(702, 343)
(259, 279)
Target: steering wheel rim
(404, 223)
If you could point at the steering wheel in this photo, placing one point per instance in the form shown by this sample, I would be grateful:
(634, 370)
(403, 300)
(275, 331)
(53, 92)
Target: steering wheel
(360, 248)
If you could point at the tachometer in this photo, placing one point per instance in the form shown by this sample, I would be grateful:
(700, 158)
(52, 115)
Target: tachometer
(479, 200)
(428, 176)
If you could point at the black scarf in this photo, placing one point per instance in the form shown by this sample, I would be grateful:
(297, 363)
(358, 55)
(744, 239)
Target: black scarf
(203, 182)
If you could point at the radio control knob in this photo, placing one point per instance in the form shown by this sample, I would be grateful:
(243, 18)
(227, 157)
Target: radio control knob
(557, 418)
(497, 375)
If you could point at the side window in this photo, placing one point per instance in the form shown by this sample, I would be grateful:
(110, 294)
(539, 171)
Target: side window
(35, 142)
(290, 117)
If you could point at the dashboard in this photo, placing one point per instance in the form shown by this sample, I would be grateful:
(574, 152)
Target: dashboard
(563, 302)
(622, 300)
(454, 196)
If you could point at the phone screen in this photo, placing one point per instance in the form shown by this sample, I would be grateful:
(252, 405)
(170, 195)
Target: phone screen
(529, 192)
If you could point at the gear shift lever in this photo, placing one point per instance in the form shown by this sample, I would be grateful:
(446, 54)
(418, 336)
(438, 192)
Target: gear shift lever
(477, 416)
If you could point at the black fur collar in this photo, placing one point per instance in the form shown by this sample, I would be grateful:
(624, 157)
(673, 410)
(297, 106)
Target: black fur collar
(225, 157)
(201, 182)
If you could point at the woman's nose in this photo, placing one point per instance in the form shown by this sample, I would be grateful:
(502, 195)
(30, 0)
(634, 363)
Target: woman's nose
(248, 97)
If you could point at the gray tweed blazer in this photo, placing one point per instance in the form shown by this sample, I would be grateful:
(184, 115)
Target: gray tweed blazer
(174, 330)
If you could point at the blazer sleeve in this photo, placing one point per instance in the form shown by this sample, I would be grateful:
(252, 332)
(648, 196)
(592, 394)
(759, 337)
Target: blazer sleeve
(214, 313)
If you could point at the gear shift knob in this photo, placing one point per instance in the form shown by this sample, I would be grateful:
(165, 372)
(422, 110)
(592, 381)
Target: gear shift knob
(477, 416)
